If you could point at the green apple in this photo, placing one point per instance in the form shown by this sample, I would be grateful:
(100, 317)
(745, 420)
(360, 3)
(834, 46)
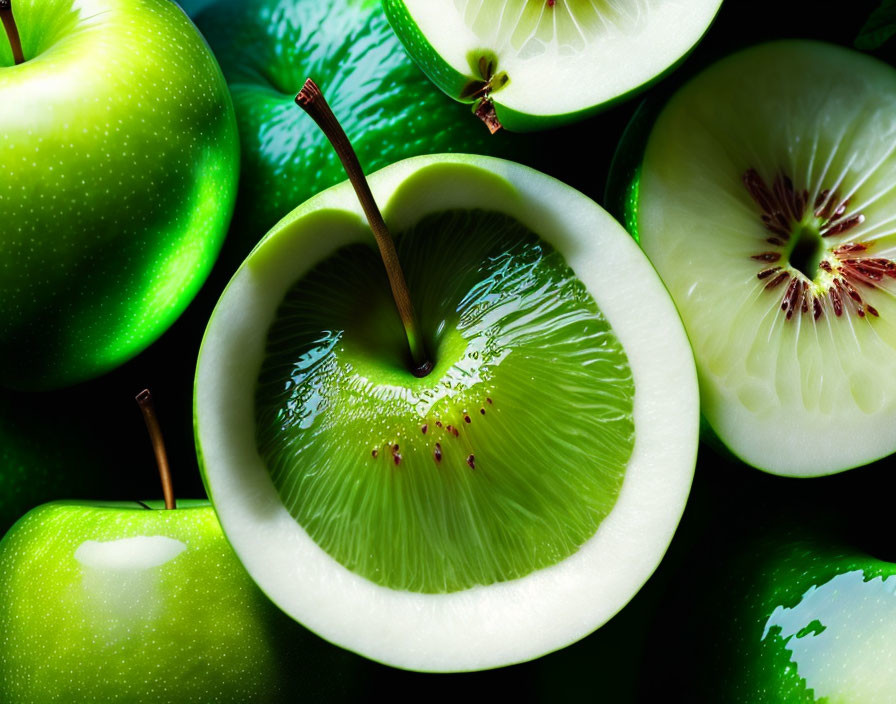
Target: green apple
(131, 602)
(797, 617)
(389, 110)
(764, 199)
(500, 507)
(119, 159)
(531, 64)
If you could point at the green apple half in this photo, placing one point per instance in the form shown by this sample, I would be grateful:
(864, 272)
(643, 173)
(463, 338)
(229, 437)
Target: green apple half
(486, 625)
(544, 63)
(122, 602)
(119, 160)
(764, 197)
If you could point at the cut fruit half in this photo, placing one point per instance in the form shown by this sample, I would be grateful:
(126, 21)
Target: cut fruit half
(766, 199)
(532, 64)
(501, 507)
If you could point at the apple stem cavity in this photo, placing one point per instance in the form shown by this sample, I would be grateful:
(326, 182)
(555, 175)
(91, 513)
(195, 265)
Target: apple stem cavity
(144, 400)
(12, 31)
(312, 101)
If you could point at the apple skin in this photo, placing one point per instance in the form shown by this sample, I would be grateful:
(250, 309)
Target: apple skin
(798, 615)
(116, 602)
(119, 160)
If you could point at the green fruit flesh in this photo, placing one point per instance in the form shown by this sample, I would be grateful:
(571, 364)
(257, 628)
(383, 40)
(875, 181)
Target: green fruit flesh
(503, 460)
(766, 203)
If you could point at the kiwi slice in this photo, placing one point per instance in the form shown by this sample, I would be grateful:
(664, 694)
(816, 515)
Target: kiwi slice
(505, 504)
(531, 64)
(501, 461)
(766, 201)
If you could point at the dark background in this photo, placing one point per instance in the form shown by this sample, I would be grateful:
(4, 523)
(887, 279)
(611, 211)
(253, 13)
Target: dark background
(89, 442)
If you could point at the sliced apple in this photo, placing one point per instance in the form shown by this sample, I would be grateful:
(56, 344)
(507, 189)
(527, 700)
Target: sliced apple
(540, 63)
(262, 507)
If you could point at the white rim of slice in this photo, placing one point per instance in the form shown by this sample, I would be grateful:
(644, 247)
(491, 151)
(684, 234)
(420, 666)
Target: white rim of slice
(657, 33)
(486, 626)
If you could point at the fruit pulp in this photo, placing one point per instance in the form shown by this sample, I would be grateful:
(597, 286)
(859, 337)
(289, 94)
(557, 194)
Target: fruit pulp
(503, 460)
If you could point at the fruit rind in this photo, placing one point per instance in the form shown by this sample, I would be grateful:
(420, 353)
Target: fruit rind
(565, 95)
(480, 627)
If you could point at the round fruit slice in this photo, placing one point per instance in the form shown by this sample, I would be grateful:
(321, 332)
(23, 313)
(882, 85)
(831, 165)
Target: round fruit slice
(531, 64)
(502, 506)
(766, 201)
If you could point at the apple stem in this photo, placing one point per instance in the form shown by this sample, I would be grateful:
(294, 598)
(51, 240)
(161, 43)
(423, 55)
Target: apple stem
(312, 101)
(12, 31)
(144, 400)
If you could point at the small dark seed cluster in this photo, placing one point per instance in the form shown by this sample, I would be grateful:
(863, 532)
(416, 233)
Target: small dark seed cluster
(783, 209)
(449, 430)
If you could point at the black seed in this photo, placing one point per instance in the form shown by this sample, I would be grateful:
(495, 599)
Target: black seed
(471, 461)
(424, 428)
(838, 304)
(779, 279)
(374, 453)
(437, 453)
(482, 411)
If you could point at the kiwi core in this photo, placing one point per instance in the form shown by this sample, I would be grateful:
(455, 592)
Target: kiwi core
(503, 460)
(810, 252)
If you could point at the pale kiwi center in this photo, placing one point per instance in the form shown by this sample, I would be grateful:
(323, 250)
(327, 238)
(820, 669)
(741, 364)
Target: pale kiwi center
(529, 28)
(502, 461)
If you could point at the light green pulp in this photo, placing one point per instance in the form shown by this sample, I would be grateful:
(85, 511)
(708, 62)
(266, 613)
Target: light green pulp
(509, 454)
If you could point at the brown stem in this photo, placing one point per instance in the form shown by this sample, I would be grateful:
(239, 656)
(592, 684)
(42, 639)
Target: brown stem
(312, 101)
(144, 400)
(12, 31)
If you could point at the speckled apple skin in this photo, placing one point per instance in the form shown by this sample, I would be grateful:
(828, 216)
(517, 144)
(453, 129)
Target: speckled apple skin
(194, 629)
(119, 161)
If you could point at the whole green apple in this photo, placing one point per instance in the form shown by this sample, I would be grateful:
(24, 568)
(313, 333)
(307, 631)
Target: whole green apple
(389, 109)
(130, 602)
(119, 159)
